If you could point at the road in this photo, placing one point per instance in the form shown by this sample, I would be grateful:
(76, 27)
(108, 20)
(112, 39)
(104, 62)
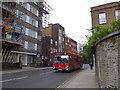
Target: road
(46, 78)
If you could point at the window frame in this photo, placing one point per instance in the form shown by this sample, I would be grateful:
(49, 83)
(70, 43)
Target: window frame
(102, 18)
(117, 16)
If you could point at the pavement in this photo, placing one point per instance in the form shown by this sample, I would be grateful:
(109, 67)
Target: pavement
(22, 70)
(84, 79)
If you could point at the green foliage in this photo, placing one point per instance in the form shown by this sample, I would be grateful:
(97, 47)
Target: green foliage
(101, 32)
(115, 25)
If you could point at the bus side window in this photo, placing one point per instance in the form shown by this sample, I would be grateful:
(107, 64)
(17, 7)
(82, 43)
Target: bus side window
(76, 58)
(70, 57)
(79, 59)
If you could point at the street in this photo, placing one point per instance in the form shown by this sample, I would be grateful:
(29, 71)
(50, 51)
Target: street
(47, 78)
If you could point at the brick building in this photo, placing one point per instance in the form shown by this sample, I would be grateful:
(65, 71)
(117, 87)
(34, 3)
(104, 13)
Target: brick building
(70, 45)
(52, 41)
(105, 13)
(55, 31)
(55, 40)
(21, 31)
(49, 45)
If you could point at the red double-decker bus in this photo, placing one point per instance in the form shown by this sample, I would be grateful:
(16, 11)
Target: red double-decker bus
(66, 61)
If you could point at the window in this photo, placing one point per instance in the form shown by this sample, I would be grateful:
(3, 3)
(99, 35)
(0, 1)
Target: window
(36, 35)
(31, 46)
(37, 13)
(63, 39)
(56, 50)
(23, 29)
(51, 41)
(36, 24)
(31, 33)
(56, 43)
(27, 31)
(102, 18)
(68, 40)
(26, 45)
(23, 17)
(34, 10)
(60, 32)
(27, 19)
(66, 43)
(39, 38)
(32, 21)
(17, 12)
(35, 46)
(24, 5)
(117, 14)
(63, 46)
(28, 7)
(60, 38)
(31, 9)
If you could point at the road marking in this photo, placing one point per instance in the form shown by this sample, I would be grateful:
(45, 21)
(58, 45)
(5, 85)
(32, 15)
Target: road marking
(14, 79)
(47, 73)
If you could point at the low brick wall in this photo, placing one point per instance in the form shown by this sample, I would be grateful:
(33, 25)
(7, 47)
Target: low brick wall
(107, 60)
(6, 66)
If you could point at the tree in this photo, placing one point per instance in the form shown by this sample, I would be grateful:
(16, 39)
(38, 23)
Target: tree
(115, 25)
(101, 32)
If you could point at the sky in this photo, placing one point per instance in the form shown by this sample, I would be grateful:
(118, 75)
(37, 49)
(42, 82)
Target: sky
(74, 16)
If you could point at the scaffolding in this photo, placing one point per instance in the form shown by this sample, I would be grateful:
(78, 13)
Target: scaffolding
(10, 33)
(7, 12)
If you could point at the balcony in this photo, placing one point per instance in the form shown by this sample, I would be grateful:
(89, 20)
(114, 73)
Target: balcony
(11, 42)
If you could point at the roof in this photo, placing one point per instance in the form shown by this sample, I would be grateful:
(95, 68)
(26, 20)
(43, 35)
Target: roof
(107, 5)
(65, 53)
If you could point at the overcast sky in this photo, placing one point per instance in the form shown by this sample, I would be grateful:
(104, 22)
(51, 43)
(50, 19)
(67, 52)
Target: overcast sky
(74, 16)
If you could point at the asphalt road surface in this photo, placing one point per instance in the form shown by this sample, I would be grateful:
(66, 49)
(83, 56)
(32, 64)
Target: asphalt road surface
(46, 78)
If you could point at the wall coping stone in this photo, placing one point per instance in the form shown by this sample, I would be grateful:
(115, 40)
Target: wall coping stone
(108, 36)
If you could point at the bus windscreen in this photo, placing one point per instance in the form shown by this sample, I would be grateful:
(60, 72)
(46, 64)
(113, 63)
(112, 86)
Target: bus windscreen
(61, 59)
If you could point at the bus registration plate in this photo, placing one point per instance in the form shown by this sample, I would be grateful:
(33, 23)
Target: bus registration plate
(59, 69)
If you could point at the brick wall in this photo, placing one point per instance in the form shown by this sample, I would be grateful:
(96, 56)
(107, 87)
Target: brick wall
(108, 8)
(107, 61)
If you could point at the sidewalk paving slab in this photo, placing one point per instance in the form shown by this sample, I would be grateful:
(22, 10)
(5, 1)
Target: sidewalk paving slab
(22, 70)
(84, 79)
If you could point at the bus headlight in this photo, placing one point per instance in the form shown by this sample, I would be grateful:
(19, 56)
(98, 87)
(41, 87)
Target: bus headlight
(67, 67)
